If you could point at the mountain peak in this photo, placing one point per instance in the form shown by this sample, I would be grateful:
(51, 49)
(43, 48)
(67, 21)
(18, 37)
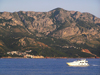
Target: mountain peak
(58, 9)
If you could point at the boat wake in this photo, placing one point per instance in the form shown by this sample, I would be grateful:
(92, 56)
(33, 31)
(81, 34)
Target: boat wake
(95, 65)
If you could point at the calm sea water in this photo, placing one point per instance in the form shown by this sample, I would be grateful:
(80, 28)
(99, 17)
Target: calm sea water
(46, 67)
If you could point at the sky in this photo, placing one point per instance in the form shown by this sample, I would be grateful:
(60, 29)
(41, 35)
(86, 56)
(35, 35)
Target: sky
(90, 6)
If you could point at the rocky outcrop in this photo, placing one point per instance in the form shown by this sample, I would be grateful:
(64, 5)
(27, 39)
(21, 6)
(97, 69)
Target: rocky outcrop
(1, 43)
(31, 41)
(22, 42)
(87, 51)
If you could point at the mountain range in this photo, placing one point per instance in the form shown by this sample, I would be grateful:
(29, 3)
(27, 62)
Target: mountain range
(56, 33)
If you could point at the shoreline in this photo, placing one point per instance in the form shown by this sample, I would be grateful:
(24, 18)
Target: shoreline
(49, 58)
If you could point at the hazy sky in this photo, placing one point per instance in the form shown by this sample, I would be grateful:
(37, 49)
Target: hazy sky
(91, 6)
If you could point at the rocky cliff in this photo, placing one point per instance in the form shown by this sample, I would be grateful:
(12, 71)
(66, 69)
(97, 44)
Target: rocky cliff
(74, 27)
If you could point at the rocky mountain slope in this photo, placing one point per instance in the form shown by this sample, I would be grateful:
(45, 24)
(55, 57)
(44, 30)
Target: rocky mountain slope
(49, 32)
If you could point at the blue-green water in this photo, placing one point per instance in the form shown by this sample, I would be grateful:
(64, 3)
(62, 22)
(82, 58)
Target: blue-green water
(47, 67)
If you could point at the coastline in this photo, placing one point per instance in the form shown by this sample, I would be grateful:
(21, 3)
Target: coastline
(48, 58)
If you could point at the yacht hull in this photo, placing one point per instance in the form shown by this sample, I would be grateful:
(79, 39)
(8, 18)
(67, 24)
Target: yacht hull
(80, 65)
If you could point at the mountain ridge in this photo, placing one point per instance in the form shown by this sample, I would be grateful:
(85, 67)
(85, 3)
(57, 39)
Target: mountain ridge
(74, 27)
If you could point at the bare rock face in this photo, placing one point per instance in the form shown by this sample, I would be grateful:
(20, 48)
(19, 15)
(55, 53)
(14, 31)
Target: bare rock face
(43, 25)
(73, 26)
(22, 42)
(6, 15)
(1, 43)
(30, 41)
(26, 41)
(77, 14)
(8, 18)
(68, 31)
(87, 51)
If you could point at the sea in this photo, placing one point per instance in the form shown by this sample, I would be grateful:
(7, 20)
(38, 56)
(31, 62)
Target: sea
(14, 66)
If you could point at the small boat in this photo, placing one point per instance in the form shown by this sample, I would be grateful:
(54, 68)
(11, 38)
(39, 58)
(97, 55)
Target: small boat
(78, 63)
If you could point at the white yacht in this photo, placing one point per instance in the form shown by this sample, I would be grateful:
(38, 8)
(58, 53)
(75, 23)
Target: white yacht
(81, 63)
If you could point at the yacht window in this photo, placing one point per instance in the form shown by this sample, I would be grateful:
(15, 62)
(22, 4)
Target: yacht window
(81, 62)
